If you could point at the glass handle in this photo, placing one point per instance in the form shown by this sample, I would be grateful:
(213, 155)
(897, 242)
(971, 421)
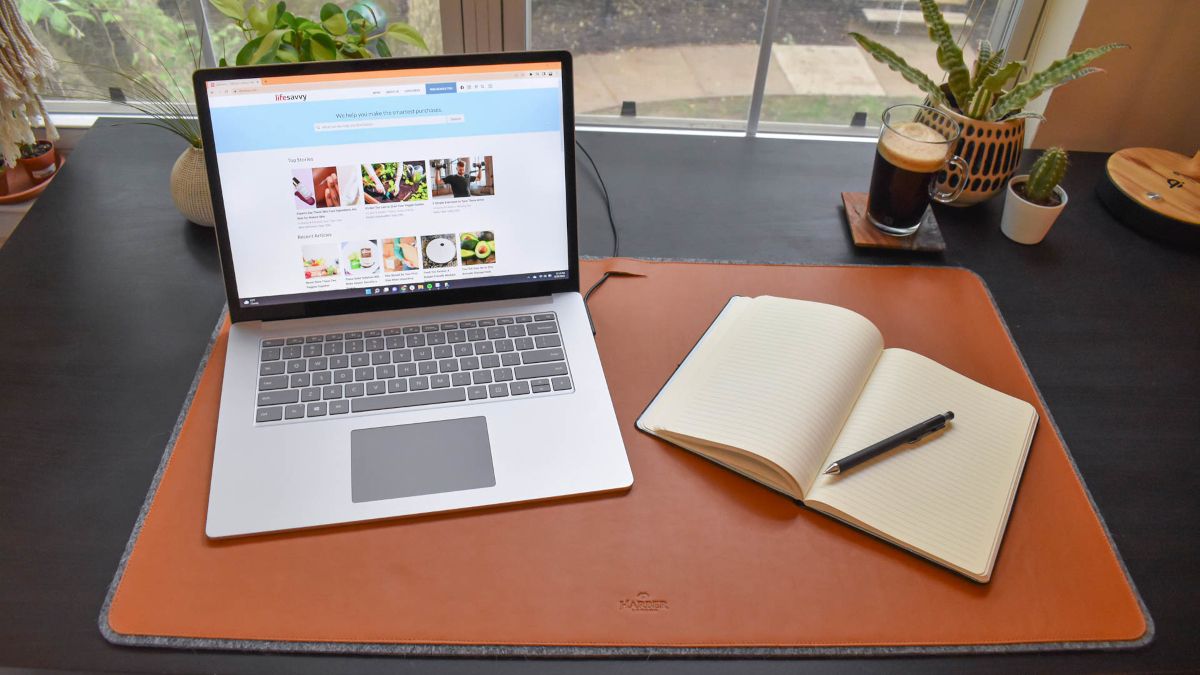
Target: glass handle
(946, 196)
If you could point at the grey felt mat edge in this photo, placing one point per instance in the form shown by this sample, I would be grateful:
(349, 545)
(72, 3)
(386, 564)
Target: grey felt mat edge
(572, 651)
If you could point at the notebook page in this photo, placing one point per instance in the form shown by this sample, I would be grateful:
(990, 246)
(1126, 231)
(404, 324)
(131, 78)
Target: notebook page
(948, 497)
(779, 383)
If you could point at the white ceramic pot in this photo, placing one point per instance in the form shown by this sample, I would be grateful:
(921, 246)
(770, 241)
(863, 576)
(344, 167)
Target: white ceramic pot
(189, 188)
(1025, 222)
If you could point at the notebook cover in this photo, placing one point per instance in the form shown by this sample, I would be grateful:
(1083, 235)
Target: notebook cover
(694, 560)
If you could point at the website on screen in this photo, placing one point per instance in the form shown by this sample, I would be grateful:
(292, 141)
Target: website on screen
(391, 182)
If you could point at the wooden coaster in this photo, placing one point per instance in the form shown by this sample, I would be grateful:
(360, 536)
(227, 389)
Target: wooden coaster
(927, 238)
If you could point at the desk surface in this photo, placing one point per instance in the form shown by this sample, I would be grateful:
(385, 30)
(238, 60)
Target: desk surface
(109, 298)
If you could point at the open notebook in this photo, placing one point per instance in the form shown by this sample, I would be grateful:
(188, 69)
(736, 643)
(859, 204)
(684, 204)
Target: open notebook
(778, 389)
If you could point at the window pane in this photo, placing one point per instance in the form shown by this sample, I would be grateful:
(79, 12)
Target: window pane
(692, 59)
(819, 75)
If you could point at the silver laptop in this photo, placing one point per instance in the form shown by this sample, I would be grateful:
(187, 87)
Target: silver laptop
(398, 242)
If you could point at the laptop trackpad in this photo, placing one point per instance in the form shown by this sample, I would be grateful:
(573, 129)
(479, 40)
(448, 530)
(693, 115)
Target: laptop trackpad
(407, 460)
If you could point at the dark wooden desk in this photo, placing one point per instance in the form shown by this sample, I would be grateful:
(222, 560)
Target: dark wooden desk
(108, 298)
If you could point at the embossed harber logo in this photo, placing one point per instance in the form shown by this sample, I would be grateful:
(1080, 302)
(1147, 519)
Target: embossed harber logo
(642, 602)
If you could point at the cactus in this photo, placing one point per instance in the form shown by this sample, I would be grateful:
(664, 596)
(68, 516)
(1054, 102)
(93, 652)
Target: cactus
(1047, 172)
(976, 92)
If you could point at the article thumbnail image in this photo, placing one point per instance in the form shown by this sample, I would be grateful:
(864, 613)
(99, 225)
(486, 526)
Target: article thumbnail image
(325, 184)
(349, 185)
(439, 250)
(360, 258)
(456, 177)
(389, 182)
(302, 189)
(400, 254)
(477, 248)
(320, 260)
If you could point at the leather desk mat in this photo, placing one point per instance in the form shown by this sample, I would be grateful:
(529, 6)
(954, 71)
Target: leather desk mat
(693, 560)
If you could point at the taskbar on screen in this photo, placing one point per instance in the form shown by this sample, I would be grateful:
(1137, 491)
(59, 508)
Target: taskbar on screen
(393, 288)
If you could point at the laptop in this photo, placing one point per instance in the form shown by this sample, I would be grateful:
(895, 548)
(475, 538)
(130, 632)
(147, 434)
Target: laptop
(399, 250)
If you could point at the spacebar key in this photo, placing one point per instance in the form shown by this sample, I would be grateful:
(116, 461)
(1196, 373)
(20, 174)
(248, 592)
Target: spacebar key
(385, 401)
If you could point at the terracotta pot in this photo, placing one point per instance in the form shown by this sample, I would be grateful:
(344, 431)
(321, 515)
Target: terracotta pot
(1025, 222)
(41, 167)
(991, 151)
(189, 188)
(3, 178)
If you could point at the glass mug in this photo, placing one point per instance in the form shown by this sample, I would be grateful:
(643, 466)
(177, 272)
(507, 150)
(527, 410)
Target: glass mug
(913, 149)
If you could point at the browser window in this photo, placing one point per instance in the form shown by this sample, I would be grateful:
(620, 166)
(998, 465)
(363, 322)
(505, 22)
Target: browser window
(351, 184)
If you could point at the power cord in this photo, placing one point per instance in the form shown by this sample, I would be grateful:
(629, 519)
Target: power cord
(611, 223)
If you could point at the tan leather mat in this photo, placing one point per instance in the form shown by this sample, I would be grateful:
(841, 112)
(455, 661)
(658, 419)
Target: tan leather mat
(694, 559)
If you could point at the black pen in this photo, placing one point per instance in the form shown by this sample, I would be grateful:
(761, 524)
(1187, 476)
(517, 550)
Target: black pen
(909, 435)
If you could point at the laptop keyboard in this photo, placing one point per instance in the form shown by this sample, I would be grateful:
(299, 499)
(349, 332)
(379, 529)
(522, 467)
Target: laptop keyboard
(317, 376)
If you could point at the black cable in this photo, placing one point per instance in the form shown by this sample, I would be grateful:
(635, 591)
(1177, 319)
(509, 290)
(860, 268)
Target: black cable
(611, 223)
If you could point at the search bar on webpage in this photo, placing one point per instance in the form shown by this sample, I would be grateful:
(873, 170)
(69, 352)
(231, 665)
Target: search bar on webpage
(354, 125)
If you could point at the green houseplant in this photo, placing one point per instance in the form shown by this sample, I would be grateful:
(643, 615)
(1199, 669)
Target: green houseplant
(1034, 201)
(992, 117)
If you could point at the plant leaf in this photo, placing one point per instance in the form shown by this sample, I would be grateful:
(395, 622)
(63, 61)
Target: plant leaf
(407, 34)
(230, 8)
(1061, 71)
(1025, 115)
(335, 23)
(260, 19)
(329, 9)
(243, 55)
(892, 60)
(287, 54)
(949, 56)
(323, 47)
(985, 53)
(265, 52)
(381, 48)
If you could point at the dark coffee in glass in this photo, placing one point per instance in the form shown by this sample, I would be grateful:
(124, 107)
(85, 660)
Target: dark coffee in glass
(908, 158)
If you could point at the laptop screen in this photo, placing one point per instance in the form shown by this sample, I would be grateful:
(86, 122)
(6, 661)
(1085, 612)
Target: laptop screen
(391, 182)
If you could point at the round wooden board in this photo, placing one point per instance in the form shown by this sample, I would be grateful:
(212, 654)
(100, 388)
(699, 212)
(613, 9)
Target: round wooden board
(1160, 181)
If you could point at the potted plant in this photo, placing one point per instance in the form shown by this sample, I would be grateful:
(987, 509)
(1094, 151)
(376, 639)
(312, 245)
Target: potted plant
(992, 118)
(39, 159)
(24, 67)
(1034, 201)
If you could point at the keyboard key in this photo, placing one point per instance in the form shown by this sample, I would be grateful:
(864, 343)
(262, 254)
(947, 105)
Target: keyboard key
(273, 342)
(396, 342)
(380, 358)
(481, 376)
(372, 333)
(543, 356)
(268, 414)
(419, 383)
(322, 377)
(504, 321)
(278, 397)
(295, 341)
(519, 387)
(476, 334)
(374, 344)
(396, 386)
(524, 318)
(543, 317)
(422, 353)
(502, 374)
(333, 336)
(467, 324)
(448, 366)
(318, 363)
(355, 389)
(356, 335)
(331, 391)
(391, 331)
(341, 376)
(354, 346)
(385, 372)
(541, 370)
(435, 339)
(297, 366)
(310, 394)
(427, 367)
(317, 409)
(332, 348)
(460, 379)
(484, 348)
(357, 360)
(543, 341)
(540, 386)
(456, 336)
(516, 331)
(476, 393)
(561, 383)
(489, 361)
(336, 362)
(495, 332)
(439, 381)
(510, 359)
(375, 388)
(524, 343)
(409, 330)
(468, 363)
(272, 382)
(364, 374)
(406, 369)
(498, 390)
(464, 349)
(300, 380)
(414, 341)
(429, 328)
(504, 345)
(410, 399)
(402, 356)
(450, 325)
(314, 338)
(339, 407)
(542, 328)
(270, 354)
(293, 352)
(487, 322)
(313, 350)
(443, 352)
(293, 412)
(271, 368)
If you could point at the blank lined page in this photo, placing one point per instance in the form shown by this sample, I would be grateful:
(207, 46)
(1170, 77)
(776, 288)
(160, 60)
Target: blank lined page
(947, 497)
(777, 382)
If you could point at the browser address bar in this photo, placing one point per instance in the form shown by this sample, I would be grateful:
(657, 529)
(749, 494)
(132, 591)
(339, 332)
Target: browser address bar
(352, 125)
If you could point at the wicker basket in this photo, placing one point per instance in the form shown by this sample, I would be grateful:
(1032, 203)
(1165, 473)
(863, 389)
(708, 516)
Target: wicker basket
(991, 151)
(189, 188)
